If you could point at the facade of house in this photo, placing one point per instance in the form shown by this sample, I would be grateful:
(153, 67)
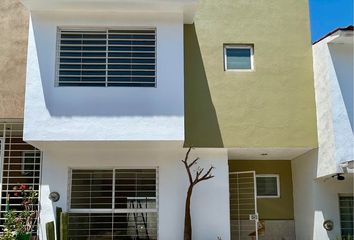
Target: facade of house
(320, 194)
(101, 100)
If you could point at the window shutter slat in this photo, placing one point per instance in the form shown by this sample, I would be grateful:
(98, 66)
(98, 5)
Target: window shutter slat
(122, 57)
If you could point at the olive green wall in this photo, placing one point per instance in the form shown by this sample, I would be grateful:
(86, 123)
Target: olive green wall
(271, 208)
(272, 106)
(13, 48)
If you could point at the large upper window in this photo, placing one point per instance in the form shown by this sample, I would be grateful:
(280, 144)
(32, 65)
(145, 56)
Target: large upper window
(238, 57)
(106, 57)
(113, 204)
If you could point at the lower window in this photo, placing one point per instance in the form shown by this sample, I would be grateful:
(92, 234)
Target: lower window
(268, 186)
(113, 204)
(346, 216)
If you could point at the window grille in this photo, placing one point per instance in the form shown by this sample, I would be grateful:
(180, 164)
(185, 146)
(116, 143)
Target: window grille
(106, 57)
(113, 204)
(243, 205)
(268, 186)
(346, 210)
(15, 170)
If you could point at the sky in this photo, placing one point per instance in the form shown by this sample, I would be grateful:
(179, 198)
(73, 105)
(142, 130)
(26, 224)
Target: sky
(327, 15)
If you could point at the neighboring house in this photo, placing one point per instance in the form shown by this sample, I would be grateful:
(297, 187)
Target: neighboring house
(320, 192)
(116, 92)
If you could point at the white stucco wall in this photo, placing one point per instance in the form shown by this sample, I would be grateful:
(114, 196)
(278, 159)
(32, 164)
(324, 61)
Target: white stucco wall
(333, 77)
(342, 57)
(210, 201)
(316, 200)
(99, 113)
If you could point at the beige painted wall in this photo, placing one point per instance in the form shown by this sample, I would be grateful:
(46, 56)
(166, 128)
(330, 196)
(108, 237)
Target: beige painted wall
(13, 48)
(271, 208)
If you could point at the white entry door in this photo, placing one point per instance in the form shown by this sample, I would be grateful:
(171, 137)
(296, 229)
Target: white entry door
(243, 205)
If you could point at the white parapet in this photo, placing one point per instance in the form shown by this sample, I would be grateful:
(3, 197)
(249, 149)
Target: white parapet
(187, 7)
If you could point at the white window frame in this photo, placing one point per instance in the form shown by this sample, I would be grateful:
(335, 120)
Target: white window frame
(278, 184)
(78, 27)
(239, 46)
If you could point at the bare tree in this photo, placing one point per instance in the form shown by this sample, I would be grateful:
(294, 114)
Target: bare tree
(193, 181)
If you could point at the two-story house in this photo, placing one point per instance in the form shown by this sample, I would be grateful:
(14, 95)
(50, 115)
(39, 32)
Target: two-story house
(100, 100)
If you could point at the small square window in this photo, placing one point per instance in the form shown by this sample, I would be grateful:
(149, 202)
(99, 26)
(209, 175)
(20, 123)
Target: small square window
(268, 186)
(238, 57)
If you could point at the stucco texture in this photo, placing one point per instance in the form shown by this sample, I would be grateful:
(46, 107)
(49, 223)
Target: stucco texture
(333, 71)
(210, 200)
(13, 47)
(272, 106)
(271, 208)
(316, 200)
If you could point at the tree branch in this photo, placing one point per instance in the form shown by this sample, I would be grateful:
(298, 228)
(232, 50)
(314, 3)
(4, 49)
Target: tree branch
(188, 171)
(194, 162)
(206, 176)
(187, 155)
(187, 166)
(198, 176)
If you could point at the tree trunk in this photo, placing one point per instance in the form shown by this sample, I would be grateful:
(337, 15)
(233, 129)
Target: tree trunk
(200, 175)
(187, 218)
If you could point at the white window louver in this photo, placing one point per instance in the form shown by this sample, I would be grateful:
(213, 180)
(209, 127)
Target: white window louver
(106, 57)
(113, 204)
(20, 165)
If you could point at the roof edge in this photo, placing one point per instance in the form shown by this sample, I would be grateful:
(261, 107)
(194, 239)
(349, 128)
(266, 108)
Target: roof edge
(348, 28)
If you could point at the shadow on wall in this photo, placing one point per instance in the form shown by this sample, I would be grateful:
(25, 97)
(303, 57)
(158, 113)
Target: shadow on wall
(201, 123)
(43, 64)
(316, 199)
(316, 205)
(327, 203)
(342, 59)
